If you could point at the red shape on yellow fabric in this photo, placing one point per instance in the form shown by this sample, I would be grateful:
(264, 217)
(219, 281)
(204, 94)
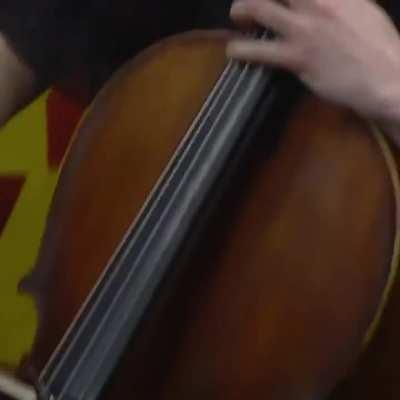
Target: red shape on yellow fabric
(10, 188)
(64, 110)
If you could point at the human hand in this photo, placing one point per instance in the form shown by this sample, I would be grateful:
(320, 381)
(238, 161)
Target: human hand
(345, 51)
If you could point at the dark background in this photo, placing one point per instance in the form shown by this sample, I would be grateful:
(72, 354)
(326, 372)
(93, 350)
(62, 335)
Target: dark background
(59, 38)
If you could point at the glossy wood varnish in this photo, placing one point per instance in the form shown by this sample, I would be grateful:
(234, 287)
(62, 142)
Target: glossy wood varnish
(282, 287)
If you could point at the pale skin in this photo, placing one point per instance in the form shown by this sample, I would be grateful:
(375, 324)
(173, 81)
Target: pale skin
(345, 51)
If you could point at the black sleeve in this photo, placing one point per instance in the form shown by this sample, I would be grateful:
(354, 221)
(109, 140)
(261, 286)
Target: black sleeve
(56, 36)
(392, 7)
(49, 35)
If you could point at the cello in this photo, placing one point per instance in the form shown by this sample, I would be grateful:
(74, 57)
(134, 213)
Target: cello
(222, 236)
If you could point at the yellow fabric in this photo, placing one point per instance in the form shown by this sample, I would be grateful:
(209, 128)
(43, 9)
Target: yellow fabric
(23, 151)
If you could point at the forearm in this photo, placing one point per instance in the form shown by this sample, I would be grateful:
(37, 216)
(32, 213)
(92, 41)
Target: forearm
(17, 82)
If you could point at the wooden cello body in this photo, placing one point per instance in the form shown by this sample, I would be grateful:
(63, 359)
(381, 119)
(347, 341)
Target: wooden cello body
(284, 293)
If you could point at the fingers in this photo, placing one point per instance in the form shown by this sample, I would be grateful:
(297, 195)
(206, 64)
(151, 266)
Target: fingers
(275, 53)
(268, 14)
(265, 13)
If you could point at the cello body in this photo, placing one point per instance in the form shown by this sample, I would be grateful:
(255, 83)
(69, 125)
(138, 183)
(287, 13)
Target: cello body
(285, 293)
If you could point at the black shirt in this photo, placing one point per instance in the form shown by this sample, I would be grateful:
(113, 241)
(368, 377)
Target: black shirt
(58, 36)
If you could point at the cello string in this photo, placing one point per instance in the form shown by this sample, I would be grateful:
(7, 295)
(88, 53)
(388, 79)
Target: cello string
(148, 241)
(184, 143)
(117, 266)
(229, 74)
(149, 274)
(188, 139)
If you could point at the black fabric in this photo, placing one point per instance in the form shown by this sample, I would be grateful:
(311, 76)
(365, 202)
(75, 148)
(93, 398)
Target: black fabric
(392, 7)
(48, 35)
(57, 36)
